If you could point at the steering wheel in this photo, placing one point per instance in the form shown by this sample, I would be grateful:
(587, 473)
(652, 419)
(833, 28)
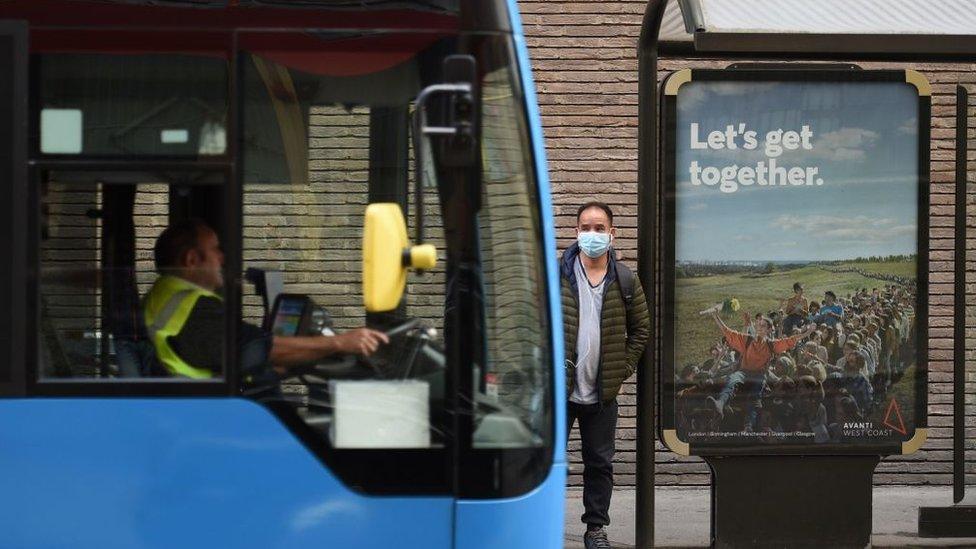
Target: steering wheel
(402, 327)
(345, 366)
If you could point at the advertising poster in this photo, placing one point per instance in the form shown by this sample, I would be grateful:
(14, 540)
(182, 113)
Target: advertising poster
(795, 318)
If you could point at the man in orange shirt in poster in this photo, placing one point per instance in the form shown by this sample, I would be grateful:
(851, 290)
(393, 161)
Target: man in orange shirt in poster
(755, 353)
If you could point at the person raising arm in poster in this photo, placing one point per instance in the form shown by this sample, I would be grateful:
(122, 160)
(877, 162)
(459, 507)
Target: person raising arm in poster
(756, 352)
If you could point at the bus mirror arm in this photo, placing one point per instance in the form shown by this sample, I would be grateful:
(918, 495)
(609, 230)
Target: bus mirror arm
(459, 134)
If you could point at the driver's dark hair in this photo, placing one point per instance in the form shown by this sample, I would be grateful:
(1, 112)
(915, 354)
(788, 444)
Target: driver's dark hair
(174, 242)
(594, 204)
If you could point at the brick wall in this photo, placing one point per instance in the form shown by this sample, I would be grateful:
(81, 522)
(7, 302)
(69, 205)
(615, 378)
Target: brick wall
(585, 66)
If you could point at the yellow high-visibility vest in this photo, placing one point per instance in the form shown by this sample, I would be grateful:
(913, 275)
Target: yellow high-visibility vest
(166, 309)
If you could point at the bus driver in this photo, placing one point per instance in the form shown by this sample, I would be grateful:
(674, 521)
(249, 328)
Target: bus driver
(185, 316)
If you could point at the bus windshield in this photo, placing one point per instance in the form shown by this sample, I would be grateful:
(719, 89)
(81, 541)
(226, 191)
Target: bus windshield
(325, 130)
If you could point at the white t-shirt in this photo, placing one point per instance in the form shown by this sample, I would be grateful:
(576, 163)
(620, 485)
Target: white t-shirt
(585, 390)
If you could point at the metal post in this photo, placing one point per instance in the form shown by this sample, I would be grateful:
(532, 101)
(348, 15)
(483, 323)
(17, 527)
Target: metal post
(959, 322)
(647, 258)
(233, 216)
(15, 305)
(956, 520)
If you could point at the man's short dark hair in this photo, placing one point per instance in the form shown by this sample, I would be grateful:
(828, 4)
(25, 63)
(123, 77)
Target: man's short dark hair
(594, 204)
(797, 286)
(829, 293)
(175, 242)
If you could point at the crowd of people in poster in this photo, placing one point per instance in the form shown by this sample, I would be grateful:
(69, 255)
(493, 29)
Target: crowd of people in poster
(825, 363)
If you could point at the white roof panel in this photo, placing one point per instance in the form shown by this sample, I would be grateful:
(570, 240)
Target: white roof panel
(931, 17)
(673, 26)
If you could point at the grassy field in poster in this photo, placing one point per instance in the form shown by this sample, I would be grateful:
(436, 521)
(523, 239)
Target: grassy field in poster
(760, 293)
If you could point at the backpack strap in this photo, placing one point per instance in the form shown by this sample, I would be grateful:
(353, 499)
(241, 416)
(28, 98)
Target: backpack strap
(625, 278)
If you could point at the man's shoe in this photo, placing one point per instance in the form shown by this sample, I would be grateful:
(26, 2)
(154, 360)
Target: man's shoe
(596, 539)
(719, 409)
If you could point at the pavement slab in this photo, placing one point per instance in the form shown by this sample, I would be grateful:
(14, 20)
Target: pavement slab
(682, 517)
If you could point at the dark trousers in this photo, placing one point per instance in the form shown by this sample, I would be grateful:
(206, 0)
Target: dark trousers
(598, 431)
(753, 384)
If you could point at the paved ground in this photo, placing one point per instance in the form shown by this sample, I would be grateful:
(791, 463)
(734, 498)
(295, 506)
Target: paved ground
(682, 518)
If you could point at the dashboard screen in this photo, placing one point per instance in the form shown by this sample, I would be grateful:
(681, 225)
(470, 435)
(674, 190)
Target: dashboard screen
(288, 315)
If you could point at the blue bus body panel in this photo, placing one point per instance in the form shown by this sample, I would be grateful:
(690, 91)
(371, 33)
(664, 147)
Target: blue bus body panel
(133, 473)
(532, 521)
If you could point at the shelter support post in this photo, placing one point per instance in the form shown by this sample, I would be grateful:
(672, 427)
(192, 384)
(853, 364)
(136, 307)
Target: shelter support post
(648, 207)
(959, 311)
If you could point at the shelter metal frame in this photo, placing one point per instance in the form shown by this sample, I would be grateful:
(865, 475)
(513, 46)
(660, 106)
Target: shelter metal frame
(757, 46)
(799, 73)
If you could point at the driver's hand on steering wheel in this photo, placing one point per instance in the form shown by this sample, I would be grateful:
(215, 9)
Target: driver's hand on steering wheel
(361, 341)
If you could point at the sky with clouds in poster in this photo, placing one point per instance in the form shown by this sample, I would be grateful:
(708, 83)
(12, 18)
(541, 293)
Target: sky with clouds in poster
(865, 144)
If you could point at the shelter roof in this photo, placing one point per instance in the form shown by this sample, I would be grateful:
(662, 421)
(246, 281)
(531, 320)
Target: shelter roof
(936, 17)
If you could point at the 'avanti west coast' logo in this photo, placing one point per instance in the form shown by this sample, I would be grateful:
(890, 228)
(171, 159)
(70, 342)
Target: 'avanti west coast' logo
(893, 423)
(859, 429)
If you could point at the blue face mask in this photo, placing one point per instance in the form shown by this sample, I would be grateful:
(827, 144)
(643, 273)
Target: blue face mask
(594, 244)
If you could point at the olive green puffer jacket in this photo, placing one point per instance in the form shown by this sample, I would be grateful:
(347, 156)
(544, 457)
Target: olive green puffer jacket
(624, 331)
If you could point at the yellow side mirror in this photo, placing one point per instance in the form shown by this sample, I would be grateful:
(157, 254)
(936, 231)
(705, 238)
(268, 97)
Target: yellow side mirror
(386, 256)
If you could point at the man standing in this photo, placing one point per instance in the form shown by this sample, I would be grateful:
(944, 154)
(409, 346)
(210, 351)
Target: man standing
(606, 327)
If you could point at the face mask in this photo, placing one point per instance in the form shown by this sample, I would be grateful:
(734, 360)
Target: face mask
(594, 244)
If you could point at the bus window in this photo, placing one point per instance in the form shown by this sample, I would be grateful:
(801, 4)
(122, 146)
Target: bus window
(98, 225)
(96, 264)
(304, 205)
(115, 105)
(513, 387)
(344, 142)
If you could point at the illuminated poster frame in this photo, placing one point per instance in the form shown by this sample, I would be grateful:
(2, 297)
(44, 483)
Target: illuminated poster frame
(861, 438)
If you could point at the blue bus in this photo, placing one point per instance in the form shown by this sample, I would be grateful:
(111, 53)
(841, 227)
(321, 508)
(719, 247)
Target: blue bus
(371, 163)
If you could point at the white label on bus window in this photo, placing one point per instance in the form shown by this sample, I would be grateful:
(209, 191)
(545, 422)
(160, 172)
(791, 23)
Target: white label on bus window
(170, 137)
(381, 414)
(61, 131)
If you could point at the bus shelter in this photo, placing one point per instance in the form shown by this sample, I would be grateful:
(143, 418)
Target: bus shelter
(807, 51)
